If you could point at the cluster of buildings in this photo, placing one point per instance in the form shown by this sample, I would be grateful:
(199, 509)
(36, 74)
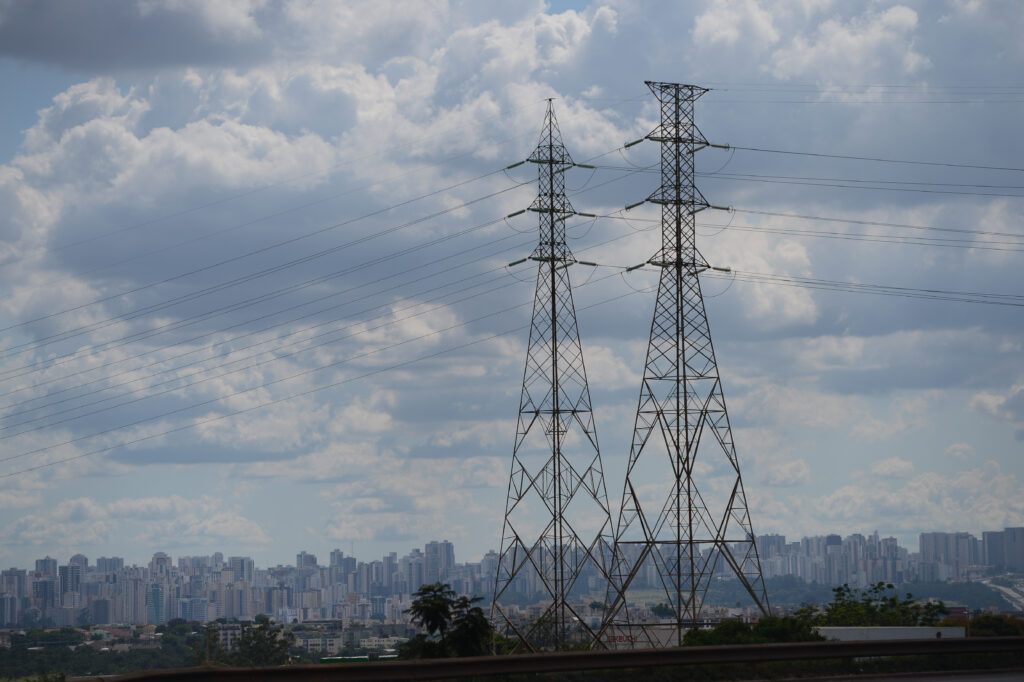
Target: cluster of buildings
(864, 560)
(210, 588)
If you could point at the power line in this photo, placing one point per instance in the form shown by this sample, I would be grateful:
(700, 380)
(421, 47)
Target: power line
(245, 303)
(862, 181)
(985, 298)
(263, 188)
(873, 159)
(278, 348)
(840, 182)
(876, 223)
(279, 244)
(293, 396)
(780, 180)
(987, 245)
(67, 333)
(208, 376)
(170, 326)
(1006, 247)
(259, 318)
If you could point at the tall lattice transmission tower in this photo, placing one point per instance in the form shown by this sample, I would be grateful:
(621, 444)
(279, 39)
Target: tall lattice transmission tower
(558, 527)
(674, 535)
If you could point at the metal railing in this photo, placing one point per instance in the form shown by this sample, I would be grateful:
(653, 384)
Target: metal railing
(585, 660)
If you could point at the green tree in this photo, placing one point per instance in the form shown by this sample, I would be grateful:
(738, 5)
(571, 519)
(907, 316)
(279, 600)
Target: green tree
(470, 630)
(207, 650)
(432, 608)
(877, 605)
(455, 627)
(263, 645)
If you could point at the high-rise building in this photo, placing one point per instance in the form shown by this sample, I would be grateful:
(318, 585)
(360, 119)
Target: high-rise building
(100, 612)
(305, 560)
(80, 560)
(159, 565)
(390, 565)
(1013, 548)
(411, 566)
(44, 592)
(438, 559)
(14, 582)
(46, 567)
(9, 610)
(70, 581)
(109, 564)
(243, 568)
(156, 607)
(992, 549)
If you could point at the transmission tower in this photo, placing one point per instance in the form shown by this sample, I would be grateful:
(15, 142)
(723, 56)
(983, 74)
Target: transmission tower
(674, 535)
(558, 527)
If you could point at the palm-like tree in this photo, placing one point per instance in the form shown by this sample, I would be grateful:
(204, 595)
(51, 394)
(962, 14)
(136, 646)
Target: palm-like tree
(432, 608)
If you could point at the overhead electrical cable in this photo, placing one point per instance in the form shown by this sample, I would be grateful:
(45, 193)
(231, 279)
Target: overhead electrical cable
(263, 250)
(249, 302)
(241, 195)
(979, 297)
(278, 341)
(207, 374)
(196, 423)
(877, 223)
(875, 159)
(276, 350)
(171, 326)
(781, 181)
(984, 244)
(286, 242)
(243, 323)
(1006, 247)
(846, 183)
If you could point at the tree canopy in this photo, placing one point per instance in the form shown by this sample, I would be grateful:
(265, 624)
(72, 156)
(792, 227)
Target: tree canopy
(876, 605)
(455, 627)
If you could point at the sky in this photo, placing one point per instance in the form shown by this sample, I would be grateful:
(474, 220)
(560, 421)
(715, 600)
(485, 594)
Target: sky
(254, 257)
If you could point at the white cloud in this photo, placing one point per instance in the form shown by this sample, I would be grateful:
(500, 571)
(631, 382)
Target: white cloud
(960, 451)
(893, 467)
(728, 21)
(974, 499)
(1006, 408)
(349, 107)
(155, 521)
(855, 52)
(787, 473)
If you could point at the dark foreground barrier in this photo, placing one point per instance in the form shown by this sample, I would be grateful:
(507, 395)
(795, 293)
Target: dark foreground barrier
(585, 660)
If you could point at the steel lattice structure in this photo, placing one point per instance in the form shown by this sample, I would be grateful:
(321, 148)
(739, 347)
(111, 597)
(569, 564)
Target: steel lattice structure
(671, 532)
(558, 527)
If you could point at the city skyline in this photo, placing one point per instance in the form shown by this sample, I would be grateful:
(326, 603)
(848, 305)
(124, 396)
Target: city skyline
(342, 587)
(763, 540)
(255, 262)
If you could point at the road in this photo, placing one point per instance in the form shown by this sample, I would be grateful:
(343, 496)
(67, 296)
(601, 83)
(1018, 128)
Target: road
(1012, 596)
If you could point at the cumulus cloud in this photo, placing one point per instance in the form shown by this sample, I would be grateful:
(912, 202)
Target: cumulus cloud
(960, 451)
(241, 125)
(727, 21)
(979, 499)
(788, 473)
(893, 467)
(172, 521)
(1006, 408)
(852, 52)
